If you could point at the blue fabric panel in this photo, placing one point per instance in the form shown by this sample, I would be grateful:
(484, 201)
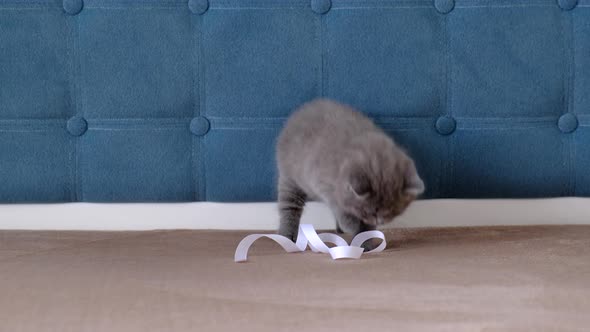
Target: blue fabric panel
(118, 161)
(512, 68)
(37, 163)
(534, 164)
(581, 165)
(182, 100)
(580, 99)
(412, 84)
(269, 59)
(241, 167)
(136, 63)
(33, 65)
(581, 61)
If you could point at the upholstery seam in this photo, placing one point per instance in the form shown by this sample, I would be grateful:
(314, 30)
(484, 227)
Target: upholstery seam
(573, 157)
(383, 7)
(565, 24)
(80, 106)
(321, 42)
(72, 183)
(79, 191)
(58, 121)
(325, 71)
(194, 94)
(443, 178)
(216, 122)
(202, 110)
(564, 104)
(449, 107)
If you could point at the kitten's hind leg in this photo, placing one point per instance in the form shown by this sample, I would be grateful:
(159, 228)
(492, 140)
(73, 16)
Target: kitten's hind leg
(291, 202)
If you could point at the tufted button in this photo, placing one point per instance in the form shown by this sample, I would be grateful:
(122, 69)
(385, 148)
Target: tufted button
(444, 6)
(445, 125)
(567, 4)
(77, 126)
(321, 6)
(567, 123)
(73, 7)
(198, 7)
(200, 126)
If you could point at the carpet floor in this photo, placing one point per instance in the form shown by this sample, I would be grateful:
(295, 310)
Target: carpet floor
(457, 279)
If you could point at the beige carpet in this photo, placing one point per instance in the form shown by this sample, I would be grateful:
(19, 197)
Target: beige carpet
(483, 279)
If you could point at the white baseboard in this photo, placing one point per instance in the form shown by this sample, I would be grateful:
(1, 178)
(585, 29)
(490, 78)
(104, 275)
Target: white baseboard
(264, 216)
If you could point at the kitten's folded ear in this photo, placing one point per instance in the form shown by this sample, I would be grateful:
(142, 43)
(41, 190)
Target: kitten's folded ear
(413, 184)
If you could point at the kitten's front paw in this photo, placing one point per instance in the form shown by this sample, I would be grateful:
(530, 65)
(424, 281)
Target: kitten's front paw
(371, 244)
(288, 233)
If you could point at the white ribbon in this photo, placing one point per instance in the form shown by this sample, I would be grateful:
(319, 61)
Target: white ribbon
(307, 236)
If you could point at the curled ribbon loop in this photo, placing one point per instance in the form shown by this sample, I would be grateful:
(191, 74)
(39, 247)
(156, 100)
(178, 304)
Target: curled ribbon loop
(307, 236)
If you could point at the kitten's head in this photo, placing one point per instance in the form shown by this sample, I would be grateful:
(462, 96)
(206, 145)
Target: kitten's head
(379, 181)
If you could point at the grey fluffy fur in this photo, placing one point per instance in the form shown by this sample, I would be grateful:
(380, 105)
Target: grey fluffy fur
(331, 153)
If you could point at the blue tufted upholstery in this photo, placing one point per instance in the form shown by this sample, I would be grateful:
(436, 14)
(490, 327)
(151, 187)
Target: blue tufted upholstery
(166, 100)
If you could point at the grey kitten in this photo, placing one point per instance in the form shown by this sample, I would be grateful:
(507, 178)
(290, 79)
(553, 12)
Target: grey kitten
(331, 153)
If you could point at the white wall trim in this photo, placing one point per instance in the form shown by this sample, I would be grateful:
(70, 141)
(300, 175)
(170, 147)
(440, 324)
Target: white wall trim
(264, 216)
